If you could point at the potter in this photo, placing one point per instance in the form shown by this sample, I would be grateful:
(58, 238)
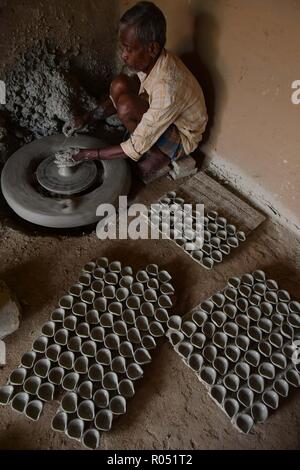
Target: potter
(162, 106)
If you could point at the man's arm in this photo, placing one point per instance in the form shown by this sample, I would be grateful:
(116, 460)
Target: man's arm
(113, 152)
(165, 107)
(103, 110)
(106, 108)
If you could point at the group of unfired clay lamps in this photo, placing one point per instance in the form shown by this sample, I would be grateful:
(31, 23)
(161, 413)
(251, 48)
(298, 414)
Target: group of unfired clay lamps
(179, 221)
(240, 344)
(94, 347)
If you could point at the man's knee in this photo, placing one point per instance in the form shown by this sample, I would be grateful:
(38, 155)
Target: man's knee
(126, 106)
(121, 85)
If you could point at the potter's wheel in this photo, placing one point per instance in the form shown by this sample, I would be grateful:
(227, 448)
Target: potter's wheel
(66, 181)
(38, 191)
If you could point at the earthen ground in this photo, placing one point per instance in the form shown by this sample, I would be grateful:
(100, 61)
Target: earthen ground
(171, 409)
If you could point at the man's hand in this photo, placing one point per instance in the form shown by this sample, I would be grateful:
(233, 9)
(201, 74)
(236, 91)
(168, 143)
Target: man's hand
(86, 154)
(75, 124)
(67, 158)
(76, 156)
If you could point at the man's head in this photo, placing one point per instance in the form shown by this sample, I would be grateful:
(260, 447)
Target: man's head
(142, 35)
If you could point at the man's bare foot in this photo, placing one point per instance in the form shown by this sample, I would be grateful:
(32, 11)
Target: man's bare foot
(152, 164)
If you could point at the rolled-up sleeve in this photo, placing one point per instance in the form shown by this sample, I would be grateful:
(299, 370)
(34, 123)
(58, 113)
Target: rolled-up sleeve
(164, 109)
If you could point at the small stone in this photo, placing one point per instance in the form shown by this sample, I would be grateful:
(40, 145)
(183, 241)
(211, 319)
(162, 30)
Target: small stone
(184, 167)
(10, 312)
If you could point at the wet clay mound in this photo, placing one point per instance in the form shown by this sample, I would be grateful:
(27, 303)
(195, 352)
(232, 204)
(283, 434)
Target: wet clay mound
(42, 93)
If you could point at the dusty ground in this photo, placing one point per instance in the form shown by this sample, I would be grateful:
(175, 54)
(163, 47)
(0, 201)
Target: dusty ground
(171, 409)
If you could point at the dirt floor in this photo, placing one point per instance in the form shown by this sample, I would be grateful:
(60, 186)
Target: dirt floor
(171, 409)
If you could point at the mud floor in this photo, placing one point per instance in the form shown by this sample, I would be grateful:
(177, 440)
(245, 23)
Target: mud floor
(171, 409)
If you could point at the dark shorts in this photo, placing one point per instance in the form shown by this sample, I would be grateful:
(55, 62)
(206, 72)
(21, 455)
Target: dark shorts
(170, 143)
